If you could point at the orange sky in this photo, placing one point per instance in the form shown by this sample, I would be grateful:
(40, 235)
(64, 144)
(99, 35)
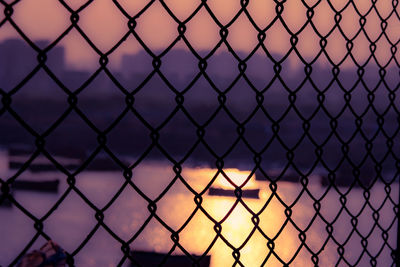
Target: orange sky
(105, 25)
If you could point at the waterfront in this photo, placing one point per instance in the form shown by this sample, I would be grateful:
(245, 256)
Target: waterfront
(73, 220)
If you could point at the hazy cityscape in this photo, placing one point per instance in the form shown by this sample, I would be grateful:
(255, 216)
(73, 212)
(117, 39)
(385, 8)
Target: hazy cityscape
(40, 102)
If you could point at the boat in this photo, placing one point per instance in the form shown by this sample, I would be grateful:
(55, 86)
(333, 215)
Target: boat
(344, 177)
(246, 193)
(42, 164)
(49, 186)
(146, 258)
(20, 149)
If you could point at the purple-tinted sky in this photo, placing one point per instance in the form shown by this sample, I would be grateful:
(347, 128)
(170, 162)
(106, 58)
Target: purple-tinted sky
(105, 25)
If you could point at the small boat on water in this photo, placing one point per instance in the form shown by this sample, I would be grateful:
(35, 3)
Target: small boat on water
(145, 258)
(16, 158)
(246, 193)
(48, 186)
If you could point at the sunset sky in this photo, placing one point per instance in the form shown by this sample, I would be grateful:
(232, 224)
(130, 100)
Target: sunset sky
(105, 25)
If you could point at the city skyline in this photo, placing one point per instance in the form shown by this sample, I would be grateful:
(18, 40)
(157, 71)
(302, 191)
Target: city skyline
(102, 101)
(105, 25)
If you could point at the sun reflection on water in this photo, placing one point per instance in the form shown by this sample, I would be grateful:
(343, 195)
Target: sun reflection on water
(238, 225)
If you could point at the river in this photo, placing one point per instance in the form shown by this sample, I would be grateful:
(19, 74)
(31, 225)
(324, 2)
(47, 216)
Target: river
(74, 219)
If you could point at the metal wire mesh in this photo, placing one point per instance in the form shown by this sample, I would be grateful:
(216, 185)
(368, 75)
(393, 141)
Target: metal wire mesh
(380, 137)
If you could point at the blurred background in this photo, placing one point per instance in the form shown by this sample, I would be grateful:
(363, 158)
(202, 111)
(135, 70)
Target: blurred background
(295, 105)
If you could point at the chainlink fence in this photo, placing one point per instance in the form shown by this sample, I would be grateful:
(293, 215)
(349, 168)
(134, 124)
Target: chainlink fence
(347, 138)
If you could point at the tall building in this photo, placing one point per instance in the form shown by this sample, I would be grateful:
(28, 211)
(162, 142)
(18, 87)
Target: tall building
(55, 57)
(18, 59)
